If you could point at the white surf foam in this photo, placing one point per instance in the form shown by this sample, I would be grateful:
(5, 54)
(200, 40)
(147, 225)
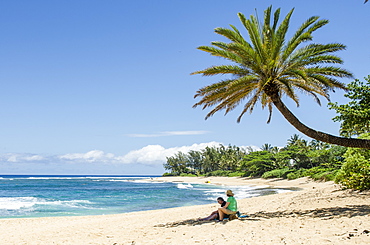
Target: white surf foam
(14, 203)
(183, 186)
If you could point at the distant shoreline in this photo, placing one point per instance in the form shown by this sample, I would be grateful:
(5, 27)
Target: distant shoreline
(301, 183)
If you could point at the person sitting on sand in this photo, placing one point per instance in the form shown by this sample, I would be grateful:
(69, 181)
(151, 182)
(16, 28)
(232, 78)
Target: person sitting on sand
(214, 214)
(231, 206)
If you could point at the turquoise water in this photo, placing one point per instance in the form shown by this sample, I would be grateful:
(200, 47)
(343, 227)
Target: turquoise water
(43, 196)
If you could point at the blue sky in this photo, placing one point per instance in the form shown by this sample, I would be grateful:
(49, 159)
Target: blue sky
(104, 87)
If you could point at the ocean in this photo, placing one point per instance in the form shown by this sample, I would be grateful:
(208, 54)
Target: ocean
(63, 195)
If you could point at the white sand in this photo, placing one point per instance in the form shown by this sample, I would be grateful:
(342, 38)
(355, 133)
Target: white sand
(318, 214)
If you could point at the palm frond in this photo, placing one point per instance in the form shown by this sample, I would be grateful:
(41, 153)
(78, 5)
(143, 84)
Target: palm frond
(233, 35)
(276, 19)
(221, 45)
(268, 65)
(228, 99)
(221, 53)
(250, 105)
(222, 69)
(300, 36)
(329, 71)
(252, 27)
(282, 29)
(288, 89)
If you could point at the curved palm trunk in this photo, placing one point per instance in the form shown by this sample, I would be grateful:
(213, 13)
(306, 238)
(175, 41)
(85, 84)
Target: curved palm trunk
(328, 138)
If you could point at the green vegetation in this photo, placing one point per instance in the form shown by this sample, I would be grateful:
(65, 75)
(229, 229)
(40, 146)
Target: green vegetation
(277, 173)
(298, 158)
(355, 115)
(268, 66)
(355, 120)
(216, 161)
(355, 172)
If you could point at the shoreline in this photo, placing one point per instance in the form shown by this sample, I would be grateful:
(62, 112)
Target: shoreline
(303, 183)
(317, 213)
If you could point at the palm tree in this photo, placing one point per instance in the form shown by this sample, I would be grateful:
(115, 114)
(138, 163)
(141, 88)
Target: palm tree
(266, 147)
(211, 159)
(318, 145)
(295, 139)
(270, 67)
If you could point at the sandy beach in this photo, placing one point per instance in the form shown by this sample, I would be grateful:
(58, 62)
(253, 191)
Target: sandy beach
(318, 213)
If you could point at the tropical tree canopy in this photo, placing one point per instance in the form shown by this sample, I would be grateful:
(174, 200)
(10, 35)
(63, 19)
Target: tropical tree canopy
(355, 115)
(269, 66)
(296, 159)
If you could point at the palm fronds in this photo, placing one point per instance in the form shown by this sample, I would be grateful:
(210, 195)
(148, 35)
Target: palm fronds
(264, 62)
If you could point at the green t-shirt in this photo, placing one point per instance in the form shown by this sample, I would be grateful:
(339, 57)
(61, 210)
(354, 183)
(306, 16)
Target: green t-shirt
(233, 206)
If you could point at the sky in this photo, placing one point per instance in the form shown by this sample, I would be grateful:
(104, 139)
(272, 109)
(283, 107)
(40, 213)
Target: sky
(104, 87)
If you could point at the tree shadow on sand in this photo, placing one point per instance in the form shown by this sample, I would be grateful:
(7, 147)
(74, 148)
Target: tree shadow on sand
(321, 213)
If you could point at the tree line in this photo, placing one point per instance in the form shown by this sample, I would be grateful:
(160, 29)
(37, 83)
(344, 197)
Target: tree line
(298, 158)
(230, 160)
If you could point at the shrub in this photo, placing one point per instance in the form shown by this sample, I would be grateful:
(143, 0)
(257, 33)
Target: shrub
(316, 173)
(187, 175)
(320, 173)
(355, 172)
(277, 173)
(297, 174)
(219, 173)
(168, 174)
(236, 174)
(327, 176)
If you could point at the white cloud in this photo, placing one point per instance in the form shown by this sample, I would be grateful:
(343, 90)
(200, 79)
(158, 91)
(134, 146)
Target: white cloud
(167, 133)
(19, 157)
(34, 158)
(148, 155)
(156, 154)
(91, 156)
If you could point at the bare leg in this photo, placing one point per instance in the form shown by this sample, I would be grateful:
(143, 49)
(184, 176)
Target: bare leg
(223, 211)
(211, 217)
